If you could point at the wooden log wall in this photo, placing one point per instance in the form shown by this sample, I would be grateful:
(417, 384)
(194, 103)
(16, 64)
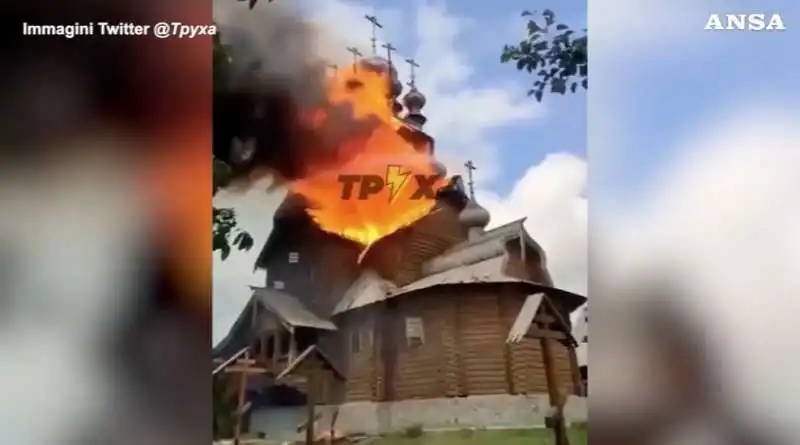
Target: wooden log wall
(482, 348)
(464, 352)
(361, 384)
(420, 369)
(429, 237)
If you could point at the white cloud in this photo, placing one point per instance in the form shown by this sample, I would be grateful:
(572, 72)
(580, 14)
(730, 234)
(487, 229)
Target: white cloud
(723, 216)
(462, 114)
(648, 28)
(233, 276)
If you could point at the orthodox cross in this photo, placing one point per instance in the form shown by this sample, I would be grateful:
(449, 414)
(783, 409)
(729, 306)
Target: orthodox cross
(245, 367)
(470, 183)
(413, 64)
(356, 54)
(375, 25)
(389, 50)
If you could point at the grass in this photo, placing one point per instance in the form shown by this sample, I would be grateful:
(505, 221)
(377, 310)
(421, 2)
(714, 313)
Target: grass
(577, 435)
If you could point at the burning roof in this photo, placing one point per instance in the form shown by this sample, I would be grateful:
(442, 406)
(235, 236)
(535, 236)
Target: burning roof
(353, 133)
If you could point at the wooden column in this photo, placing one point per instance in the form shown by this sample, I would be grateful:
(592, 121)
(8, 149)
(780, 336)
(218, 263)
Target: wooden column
(292, 347)
(311, 390)
(557, 423)
(276, 348)
(240, 401)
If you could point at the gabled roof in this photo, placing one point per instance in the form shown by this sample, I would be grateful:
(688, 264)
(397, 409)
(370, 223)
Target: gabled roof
(287, 308)
(532, 305)
(309, 352)
(477, 261)
(368, 288)
(490, 244)
(371, 288)
(486, 271)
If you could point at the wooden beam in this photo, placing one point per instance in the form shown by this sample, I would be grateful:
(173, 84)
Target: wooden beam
(544, 319)
(237, 432)
(243, 410)
(311, 395)
(245, 362)
(292, 347)
(246, 370)
(558, 424)
(230, 360)
(276, 348)
(546, 333)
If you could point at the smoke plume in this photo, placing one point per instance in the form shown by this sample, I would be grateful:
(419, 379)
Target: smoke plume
(274, 77)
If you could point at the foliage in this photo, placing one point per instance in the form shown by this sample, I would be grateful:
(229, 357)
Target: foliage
(556, 53)
(226, 233)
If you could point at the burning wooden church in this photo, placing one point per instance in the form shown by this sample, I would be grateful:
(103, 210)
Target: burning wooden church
(440, 323)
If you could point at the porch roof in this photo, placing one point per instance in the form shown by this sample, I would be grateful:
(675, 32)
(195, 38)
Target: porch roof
(286, 307)
(289, 309)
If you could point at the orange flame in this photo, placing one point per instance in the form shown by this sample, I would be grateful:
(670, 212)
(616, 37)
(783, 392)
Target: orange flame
(365, 221)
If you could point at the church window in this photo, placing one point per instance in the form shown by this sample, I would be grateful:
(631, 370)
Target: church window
(294, 257)
(415, 332)
(278, 285)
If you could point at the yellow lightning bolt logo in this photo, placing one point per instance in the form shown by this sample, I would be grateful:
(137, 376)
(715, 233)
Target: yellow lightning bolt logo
(396, 179)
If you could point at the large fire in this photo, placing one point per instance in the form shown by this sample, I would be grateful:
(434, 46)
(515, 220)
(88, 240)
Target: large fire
(365, 221)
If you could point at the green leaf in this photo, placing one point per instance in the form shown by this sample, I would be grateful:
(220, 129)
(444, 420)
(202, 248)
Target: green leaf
(557, 61)
(558, 86)
(549, 17)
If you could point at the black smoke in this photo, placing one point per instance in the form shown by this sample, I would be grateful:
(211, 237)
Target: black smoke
(264, 91)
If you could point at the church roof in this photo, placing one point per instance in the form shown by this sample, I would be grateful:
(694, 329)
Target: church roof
(490, 244)
(522, 324)
(368, 288)
(371, 288)
(289, 309)
(286, 307)
(481, 260)
(487, 271)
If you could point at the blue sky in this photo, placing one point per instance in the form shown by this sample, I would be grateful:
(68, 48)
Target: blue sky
(666, 88)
